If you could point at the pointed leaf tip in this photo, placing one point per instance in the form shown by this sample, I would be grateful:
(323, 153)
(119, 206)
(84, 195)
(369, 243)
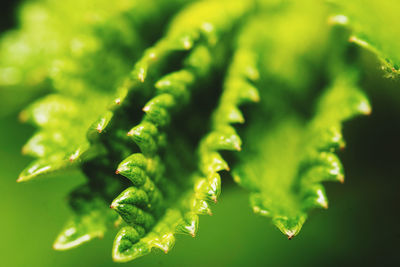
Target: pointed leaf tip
(289, 226)
(341, 178)
(127, 245)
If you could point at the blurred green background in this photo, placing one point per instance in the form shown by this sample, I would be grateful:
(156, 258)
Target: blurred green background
(361, 225)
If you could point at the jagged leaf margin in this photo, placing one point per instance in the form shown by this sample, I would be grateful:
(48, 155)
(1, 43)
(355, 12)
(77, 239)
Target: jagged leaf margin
(66, 137)
(182, 216)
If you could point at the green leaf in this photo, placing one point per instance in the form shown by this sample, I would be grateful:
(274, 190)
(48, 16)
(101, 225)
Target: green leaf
(76, 116)
(282, 66)
(375, 33)
(153, 118)
(287, 158)
(173, 203)
(91, 219)
(35, 56)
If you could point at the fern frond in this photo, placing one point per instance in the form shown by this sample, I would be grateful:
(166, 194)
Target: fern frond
(199, 31)
(284, 168)
(367, 30)
(85, 84)
(91, 219)
(153, 101)
(286, 155)
(44, 44)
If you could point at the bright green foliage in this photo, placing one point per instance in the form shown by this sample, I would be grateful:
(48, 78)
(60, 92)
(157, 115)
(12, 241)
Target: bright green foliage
(286, 159)
(373, 24)
(92, 218)
(148, 225)
(44, 51)
(93, 63)
(154, 99)
(71, 121)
